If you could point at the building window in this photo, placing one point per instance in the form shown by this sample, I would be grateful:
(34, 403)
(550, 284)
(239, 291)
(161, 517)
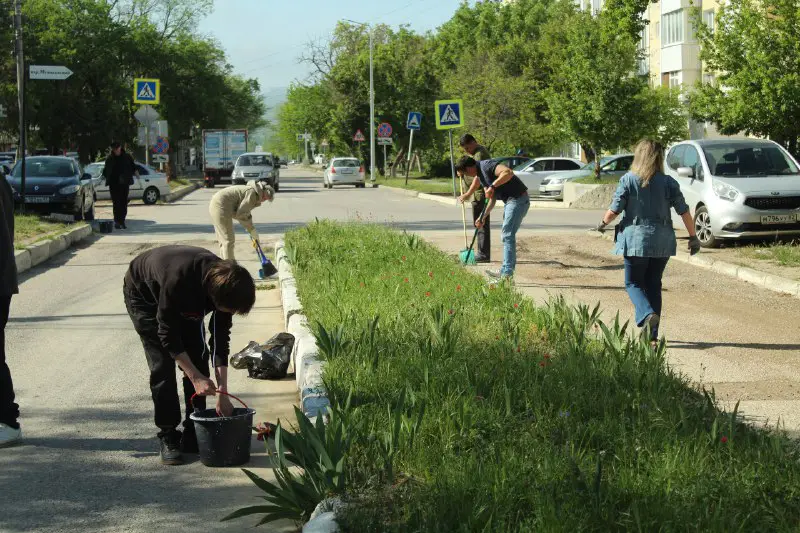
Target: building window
(671, 79)
(708, 19)
(672, 27)
(658, 28)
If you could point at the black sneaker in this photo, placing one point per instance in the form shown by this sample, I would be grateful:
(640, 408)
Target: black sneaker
(482, 259)
(189, 442)
(117, 226)
(171, 449)
(124, 226)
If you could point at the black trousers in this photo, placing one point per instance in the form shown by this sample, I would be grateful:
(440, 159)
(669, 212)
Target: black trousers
(163, 383)
(119, 197)
(9, 411)
(484, 243)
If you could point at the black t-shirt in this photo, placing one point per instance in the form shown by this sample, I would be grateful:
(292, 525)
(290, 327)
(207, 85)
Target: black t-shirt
(513, 188)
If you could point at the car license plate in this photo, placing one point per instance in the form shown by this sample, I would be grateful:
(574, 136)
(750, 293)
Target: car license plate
(347, 171)
(778, 219)
(37, 199)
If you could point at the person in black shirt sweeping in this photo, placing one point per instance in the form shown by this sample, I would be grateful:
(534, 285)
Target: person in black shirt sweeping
(168, 292)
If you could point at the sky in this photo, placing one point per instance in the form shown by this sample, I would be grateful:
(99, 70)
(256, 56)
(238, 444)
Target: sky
(264, 38)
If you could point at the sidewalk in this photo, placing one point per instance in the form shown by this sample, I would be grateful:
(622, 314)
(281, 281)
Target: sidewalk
(721, 332)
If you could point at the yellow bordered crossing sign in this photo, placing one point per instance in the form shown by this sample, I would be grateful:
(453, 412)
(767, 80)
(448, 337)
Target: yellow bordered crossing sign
(146, 91)
(449, 114)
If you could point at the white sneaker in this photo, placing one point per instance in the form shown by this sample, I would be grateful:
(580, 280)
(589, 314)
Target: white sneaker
(9, 436)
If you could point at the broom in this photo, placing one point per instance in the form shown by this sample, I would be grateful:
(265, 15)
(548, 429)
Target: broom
(468, 256)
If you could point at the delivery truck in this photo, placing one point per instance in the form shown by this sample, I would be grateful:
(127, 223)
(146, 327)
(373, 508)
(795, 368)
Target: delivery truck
(221, 149)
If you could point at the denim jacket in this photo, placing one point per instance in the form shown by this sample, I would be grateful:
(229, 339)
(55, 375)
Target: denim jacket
(646, 227)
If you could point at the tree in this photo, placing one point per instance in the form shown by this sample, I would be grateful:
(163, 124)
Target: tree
(753, 49)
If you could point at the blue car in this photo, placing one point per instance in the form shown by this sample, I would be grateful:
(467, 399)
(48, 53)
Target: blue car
(54, 184)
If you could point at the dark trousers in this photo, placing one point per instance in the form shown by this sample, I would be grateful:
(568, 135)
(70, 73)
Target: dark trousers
(643, 283)
(163, 384)
(9, 411)
(119, 196)
(484, 243)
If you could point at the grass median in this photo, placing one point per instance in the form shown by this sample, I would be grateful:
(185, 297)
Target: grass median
(781, 254)
(177, 183)
(29, 229)
(467, 408)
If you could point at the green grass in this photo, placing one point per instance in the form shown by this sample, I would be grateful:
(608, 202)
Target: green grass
(426, 185)
(31, 228)
(177, 183)
(590, 180)
(781, 254)
(532, 418)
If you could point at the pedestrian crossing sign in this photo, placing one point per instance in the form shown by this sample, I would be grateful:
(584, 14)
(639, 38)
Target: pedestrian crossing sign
(449, 114)
(146, 91)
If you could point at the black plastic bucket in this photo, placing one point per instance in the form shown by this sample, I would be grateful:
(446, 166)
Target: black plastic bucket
(224, 440)
(105, 226)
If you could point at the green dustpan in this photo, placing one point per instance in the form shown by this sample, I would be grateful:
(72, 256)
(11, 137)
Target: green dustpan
(467, 256)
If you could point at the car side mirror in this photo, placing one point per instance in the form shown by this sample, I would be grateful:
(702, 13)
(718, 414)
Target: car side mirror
(686, 172)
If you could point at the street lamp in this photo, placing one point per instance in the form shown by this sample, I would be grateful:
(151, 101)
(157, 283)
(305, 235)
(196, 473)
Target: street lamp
(371, 104)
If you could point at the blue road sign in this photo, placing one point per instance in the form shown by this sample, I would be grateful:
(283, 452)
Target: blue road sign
(414, 121)
(146, 91)
(449, 114)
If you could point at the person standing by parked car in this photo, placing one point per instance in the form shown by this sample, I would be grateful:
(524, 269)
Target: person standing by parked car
(10, 431)
(168, 292)
(118, 171)
(645, 237)
(499, 183)
(484, 243)
(237, 202)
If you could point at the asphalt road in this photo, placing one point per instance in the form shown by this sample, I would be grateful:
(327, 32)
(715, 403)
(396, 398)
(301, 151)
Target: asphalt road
(89, 461)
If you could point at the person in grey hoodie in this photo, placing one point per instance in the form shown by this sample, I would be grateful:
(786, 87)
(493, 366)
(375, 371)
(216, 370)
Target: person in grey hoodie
(10, 431)
(237, 202)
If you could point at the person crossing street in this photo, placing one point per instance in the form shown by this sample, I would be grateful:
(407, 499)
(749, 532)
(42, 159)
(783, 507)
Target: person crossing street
(118, 172)
(237, 202)
(10, 432)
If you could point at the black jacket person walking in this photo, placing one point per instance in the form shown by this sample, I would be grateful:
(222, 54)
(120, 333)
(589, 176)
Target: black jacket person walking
(118, 173)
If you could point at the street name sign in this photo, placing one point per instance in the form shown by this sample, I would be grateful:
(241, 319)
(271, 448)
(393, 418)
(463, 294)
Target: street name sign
(49, 72)
(385, 141)
(146, 91)
(449, 114)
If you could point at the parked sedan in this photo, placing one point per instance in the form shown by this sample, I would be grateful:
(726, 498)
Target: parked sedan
(512, 161)
(149, 187)
(737, 188)
(534, 171)
(54, 184)
(611, 166)
(344, 171)
(256, 166)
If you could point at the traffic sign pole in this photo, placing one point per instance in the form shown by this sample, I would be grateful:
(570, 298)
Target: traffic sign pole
(408, 162)
(452, 163)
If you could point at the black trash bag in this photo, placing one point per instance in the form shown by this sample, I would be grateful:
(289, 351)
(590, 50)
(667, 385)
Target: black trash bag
(266, 361)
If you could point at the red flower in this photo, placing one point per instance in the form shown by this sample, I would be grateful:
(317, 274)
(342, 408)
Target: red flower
(547, 356)
(542, 364)
(497, 337)
(427, 293)
(406, 280)
(458, 287)
(724, 439)
(450, 312)
(516, 306)
(518, 349)
(452, 273)
(430, 274)
(404, 258)
(362, 284)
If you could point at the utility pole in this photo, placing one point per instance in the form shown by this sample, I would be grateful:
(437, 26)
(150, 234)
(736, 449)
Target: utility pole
(371, 113)
(20, 97)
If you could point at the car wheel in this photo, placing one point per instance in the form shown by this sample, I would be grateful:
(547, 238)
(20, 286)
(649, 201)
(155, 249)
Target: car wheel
(361, 185)
(702, 225)
(151, 196)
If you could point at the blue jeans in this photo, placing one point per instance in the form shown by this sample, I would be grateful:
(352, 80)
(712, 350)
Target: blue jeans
(643, 283)
(514, 212)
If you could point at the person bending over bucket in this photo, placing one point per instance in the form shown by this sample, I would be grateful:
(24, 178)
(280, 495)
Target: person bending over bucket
(237, 201)
(498, 182)
(168, 293)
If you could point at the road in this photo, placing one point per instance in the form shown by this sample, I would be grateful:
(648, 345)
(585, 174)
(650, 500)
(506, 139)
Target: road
(89, 461)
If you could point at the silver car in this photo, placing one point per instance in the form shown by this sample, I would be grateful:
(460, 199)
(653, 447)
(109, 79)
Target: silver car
(344, 171)
(256, 166)
(534, 171)
(737, 188)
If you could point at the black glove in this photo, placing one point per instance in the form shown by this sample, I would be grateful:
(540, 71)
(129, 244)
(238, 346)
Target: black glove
(601, 227)
(694, 245)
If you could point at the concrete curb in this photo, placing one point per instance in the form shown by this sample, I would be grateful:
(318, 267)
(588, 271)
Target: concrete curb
(179, 193)
(306, 362)
(447, 200)
(38, 253)
(771, 282)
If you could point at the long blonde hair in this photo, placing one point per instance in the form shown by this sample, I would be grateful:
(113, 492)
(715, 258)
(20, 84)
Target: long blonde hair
(648, 160)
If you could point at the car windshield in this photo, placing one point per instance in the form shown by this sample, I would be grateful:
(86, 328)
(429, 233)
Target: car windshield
(603, 161)
(757, 159)
(522, 166)
(45, 168)
(254, 161)
(93, 168)
(346, 163)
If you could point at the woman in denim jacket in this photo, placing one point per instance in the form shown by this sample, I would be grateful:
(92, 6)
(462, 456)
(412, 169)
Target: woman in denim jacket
(645, 236)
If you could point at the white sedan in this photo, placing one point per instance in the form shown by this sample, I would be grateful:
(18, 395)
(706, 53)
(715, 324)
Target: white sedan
(534, 171)
(344, 171)
(149, 187)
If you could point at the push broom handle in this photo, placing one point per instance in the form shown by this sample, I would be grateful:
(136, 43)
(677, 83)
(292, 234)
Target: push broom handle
(475, 235)
(463, 210)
